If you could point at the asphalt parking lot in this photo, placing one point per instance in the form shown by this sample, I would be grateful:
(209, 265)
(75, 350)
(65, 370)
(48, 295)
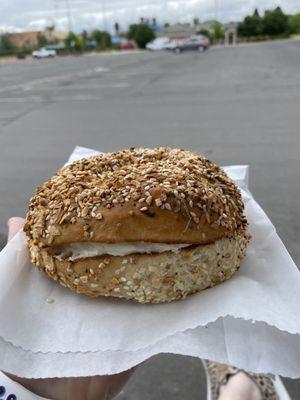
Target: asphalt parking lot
(236, 105)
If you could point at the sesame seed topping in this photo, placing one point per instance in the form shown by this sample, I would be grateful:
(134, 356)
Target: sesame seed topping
(94, 285)
(158, 202)
(50, 300)
(149, 200)
(142, 179)
(167, 206)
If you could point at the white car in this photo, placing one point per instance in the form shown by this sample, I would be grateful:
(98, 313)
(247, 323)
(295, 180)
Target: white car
(173, 44)
(43, 53)
(194, 42)
(158, 44)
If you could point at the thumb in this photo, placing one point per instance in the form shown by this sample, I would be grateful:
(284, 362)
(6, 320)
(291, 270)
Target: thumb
(14, 225)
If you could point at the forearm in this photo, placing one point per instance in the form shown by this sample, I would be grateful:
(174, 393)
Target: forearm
(91, 388)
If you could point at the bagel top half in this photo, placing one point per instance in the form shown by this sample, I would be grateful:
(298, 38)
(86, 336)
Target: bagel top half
(158, 195)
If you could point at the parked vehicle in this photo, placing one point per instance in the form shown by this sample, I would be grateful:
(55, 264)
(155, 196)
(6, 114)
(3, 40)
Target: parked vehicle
(43, 53)
(173, 44)
(195, 42)
(158, 44)
(128, 45)
(20, 55)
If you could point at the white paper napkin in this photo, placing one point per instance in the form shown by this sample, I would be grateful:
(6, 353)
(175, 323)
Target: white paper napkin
(256, 347)
(265, 289)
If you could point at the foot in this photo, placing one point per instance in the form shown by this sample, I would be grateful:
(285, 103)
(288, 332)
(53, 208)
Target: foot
(239, 387)
(230, 383)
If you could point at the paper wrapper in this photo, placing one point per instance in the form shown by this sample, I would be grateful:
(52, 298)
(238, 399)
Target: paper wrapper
(252, 320)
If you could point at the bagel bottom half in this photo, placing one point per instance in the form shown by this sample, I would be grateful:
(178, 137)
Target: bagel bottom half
(147, 278)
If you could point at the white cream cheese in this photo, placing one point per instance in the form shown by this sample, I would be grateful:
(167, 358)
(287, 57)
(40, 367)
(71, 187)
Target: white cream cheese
(75, 251)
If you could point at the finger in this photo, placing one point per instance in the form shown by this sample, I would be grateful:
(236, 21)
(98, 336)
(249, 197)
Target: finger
(14, 225)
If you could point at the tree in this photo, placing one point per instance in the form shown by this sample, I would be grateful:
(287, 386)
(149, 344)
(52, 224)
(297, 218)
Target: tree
(73, 42)
(141, 34)
(251, 26)
(206, 33)
(117, 28)
(294, 24)
(196, 22)
(6, 45)
(85, 39)
(50, 28)
(84, 35)
(218, 31)
(102, 38)
(275, 23)
(166, 25)
(42, 40)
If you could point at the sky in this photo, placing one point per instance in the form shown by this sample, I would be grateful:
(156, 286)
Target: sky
(17, 15)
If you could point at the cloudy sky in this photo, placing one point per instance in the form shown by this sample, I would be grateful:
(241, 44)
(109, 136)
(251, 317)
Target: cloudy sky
(89, 14)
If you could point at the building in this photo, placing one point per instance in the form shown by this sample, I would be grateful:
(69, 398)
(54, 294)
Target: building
(21, 39)
(230, 29)
(32, 38)
(178, 31)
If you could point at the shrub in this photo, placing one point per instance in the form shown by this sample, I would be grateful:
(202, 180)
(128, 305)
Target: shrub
(274, 23)
(102, 38)
(73, 42)
(141, 34)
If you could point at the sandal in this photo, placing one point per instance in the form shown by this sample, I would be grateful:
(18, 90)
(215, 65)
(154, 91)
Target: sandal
(218, 375)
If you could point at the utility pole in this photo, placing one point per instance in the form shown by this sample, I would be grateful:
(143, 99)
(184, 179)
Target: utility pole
(104, 15)
(216, 10)
(55, 8)
(69, 15)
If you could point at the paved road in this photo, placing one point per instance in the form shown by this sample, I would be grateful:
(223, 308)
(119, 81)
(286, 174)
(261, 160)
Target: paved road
(235, 105)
